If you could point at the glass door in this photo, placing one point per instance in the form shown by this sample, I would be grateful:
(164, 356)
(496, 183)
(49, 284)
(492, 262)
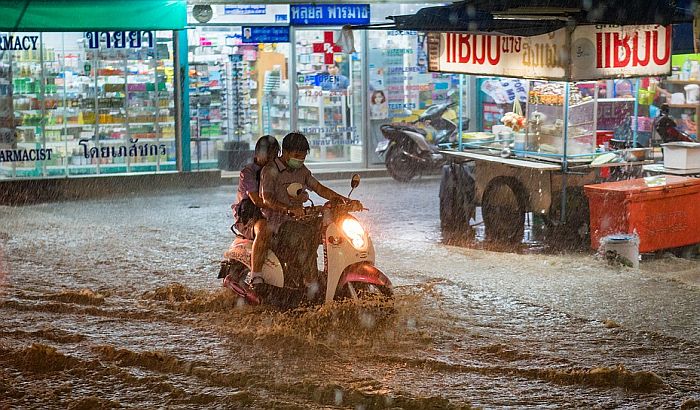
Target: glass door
(330, 93)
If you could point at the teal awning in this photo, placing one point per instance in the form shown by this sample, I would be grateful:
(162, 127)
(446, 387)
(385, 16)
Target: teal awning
(90, 15)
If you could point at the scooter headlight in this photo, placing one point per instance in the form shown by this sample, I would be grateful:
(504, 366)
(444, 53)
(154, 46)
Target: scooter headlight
(354, 231)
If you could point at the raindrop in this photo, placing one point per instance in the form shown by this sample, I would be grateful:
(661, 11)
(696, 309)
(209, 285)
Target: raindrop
(240, 303)
(338, 397)
(312, 290)
(453, 18)
(367, 320)
(411, 323)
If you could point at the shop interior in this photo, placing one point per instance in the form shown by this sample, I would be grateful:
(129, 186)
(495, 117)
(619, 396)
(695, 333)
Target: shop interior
(89, 102)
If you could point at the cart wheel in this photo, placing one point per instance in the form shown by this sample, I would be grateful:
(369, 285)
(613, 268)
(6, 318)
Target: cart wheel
(503, 207)
(575, 232)
(457, 191)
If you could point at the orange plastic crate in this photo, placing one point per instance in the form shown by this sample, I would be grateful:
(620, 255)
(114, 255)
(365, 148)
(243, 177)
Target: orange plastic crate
(664, 217)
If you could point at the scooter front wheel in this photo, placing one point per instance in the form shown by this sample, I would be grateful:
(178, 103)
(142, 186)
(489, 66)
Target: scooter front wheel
(399, 163)
(365, 291)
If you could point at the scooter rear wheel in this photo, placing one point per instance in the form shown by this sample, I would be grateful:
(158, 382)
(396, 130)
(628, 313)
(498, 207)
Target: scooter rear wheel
(400, 166)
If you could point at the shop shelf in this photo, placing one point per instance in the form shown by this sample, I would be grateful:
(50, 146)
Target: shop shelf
(693, 106)
(45, 144)
(137, 124)
(682, 81)
(110, 141)
(606, 100)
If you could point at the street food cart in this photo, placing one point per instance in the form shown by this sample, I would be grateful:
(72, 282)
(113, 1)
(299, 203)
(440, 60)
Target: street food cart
(552, 149)
(549, 152)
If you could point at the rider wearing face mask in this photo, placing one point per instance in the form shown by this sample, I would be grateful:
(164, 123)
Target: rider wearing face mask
(280, 207)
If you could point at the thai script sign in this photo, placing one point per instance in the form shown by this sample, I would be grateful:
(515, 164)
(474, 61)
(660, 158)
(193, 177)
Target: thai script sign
(133, 150)
(597, 51)
(245, 9)
(328, 14)
(246, 14)
(260, 34)
(120, 39)
(14, 43)
(540, 56)
(620, 51)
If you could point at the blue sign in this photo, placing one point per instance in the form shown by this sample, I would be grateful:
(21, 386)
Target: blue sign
(261, 34)
(328, 14)
(251, 9)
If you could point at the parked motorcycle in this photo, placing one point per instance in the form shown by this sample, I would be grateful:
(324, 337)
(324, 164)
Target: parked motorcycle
(348, 267)
(408, 148)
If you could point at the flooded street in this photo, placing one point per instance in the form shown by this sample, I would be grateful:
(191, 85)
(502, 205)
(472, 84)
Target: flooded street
(116, 303)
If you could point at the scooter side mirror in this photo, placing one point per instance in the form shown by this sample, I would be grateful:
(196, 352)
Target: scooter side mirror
(355, 181)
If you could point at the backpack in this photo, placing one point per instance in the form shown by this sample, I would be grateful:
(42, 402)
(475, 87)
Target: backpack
(246, 210)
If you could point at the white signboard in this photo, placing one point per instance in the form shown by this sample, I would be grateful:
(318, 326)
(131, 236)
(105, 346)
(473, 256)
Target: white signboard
(246, 14)
(620, 51)
(540, 56)
(598, 52)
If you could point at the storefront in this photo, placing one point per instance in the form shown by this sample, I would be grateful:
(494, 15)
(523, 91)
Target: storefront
(270, 69)
(88, 88)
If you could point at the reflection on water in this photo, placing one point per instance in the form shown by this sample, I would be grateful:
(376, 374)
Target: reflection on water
(98, 314)
(196, 347)
(537, 238)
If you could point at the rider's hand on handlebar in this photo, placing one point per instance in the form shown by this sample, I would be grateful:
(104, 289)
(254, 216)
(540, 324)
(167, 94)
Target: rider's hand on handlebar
(295, 211)
(354, 204)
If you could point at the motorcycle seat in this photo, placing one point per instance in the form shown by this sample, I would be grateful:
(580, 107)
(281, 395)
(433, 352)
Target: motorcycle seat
(394, 128)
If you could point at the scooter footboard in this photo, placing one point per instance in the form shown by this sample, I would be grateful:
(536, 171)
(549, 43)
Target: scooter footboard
(363, 272)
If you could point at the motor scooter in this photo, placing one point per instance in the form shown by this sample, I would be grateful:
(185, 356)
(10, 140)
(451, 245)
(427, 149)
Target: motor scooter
(408, 148)
(349, 269)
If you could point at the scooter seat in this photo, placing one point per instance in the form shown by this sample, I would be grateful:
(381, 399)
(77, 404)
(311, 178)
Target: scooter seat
(240, 247)
(389, 129)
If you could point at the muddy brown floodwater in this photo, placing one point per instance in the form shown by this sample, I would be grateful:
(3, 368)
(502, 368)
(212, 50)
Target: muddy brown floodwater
(114, 303)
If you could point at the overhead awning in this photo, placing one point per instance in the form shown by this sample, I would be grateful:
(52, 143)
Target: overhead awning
(567, 40)
(534, 17)
(88, 15)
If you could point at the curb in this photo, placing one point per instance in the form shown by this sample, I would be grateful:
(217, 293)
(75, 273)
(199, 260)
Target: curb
(29, 191)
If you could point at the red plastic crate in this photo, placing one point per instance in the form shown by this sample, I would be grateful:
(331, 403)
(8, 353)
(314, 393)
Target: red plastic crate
(602, 137)
(664, 217)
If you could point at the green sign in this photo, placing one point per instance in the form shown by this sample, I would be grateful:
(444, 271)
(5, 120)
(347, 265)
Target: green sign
(90, 15)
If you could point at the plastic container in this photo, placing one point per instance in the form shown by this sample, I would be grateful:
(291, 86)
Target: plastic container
(519, 145)
(692, 91)
(623, 247)
(601, 137)
(681, 155)
(662, 211)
